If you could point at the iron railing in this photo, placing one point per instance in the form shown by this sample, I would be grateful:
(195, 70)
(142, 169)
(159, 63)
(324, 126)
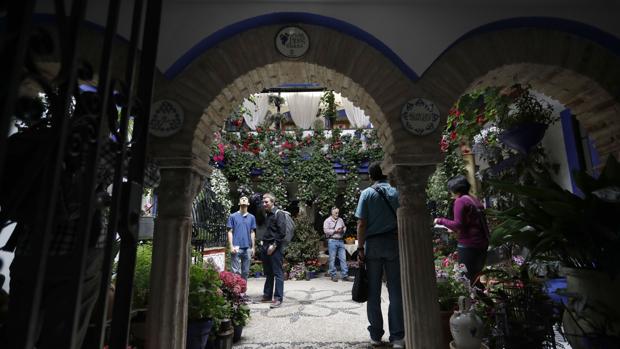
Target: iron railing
(77, 125)
(209, 220)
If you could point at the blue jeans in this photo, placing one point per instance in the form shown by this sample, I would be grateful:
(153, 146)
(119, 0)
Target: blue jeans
(382, 254)
(336, 248)
(272, 266)
(240, 262)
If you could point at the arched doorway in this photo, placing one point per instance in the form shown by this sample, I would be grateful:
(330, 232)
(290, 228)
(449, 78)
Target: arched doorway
(233, 67)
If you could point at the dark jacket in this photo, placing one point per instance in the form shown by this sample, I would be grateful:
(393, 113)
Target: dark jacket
(276, 226)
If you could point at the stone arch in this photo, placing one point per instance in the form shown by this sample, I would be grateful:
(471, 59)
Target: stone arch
(220, 77)
(281, 73)
(579, 67)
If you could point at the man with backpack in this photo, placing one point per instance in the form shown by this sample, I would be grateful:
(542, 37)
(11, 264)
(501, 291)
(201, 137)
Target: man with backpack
(272, 245)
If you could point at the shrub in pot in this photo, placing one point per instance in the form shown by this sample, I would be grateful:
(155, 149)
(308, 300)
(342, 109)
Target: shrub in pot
(206, 304)
(583, 233)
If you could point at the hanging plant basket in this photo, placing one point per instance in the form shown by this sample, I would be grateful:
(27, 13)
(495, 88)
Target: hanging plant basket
(524, 136)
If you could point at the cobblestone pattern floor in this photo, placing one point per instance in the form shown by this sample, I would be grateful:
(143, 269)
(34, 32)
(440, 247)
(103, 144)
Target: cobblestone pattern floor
(315, 314)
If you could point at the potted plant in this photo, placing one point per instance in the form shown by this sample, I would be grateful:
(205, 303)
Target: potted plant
(329, 107)
(206, 304)
(140, 292)
(521, 118)
(234, 287)
(583, 233)
(256, 269)
(526, 121)
(312, 267)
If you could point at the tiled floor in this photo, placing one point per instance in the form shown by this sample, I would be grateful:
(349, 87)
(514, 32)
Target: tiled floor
(315, 314)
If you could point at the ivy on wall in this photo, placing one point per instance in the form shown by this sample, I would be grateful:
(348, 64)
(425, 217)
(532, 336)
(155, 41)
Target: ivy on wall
(273, 158)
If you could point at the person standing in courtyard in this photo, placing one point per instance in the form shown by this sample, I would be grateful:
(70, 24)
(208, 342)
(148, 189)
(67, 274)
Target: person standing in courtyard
(334, 230)
(377, 235)
(470, 226)
(241, 238)
(271, 252)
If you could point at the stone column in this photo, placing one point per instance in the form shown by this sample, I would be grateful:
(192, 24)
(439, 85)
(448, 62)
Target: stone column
(167, 316)
(421, 307)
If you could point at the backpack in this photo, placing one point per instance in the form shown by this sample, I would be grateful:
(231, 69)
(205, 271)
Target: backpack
(482, 218)
(289, 226)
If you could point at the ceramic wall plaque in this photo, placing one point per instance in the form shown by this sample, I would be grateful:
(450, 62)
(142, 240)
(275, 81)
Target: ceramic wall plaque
(420, 116)
(292, 42)
(166, 118)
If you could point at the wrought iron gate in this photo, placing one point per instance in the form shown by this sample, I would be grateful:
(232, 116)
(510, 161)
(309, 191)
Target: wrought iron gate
(208, 220)
(76, 130)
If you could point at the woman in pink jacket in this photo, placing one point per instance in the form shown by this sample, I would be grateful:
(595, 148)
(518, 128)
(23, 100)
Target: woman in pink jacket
(470, 226)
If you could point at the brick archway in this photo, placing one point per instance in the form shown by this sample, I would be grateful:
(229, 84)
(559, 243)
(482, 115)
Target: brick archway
(218, 79)
(578, 72)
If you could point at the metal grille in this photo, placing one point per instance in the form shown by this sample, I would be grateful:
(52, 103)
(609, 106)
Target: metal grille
(76, 126)
(209, 220)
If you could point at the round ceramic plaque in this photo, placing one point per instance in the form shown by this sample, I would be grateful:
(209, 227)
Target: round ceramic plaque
(292, 42)
(166, 118)
(420, 116)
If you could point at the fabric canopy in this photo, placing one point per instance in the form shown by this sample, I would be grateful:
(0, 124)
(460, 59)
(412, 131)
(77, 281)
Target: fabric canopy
(356, 116)
(303, 107)
(257, 112)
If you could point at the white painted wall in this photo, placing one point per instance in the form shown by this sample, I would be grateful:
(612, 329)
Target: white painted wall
(418, 31)
(6, 257)
(554, 146)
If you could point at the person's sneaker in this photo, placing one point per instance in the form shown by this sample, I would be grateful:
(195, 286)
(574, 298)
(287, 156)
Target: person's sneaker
(265, 299)
(376, 344)
(399, 343)
(346, 278)
(334, 279)
(275, 304)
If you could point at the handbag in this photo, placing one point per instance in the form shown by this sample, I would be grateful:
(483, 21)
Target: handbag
(359, 293)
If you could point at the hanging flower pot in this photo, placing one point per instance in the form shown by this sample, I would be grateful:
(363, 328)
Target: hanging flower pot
(523, 136)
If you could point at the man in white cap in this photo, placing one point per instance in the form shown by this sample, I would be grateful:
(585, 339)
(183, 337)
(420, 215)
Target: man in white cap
(241, 238)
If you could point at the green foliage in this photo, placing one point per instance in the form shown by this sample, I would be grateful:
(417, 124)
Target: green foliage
(205, 300)
(304, 244)
(329, 105)
(142, 276)
(581, 232)
(503, 107)
(273, 178)
(438, 196)
(293, 156)
(351, 196)
(525, 108)
(256, 267)
(241, 315)
(239, 166)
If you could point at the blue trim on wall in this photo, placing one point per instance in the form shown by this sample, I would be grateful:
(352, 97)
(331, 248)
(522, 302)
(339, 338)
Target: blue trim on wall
(570, 143)
(586, 31)
(288, 18)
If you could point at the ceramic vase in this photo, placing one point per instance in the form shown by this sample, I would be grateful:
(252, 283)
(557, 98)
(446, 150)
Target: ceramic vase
(466, 326)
